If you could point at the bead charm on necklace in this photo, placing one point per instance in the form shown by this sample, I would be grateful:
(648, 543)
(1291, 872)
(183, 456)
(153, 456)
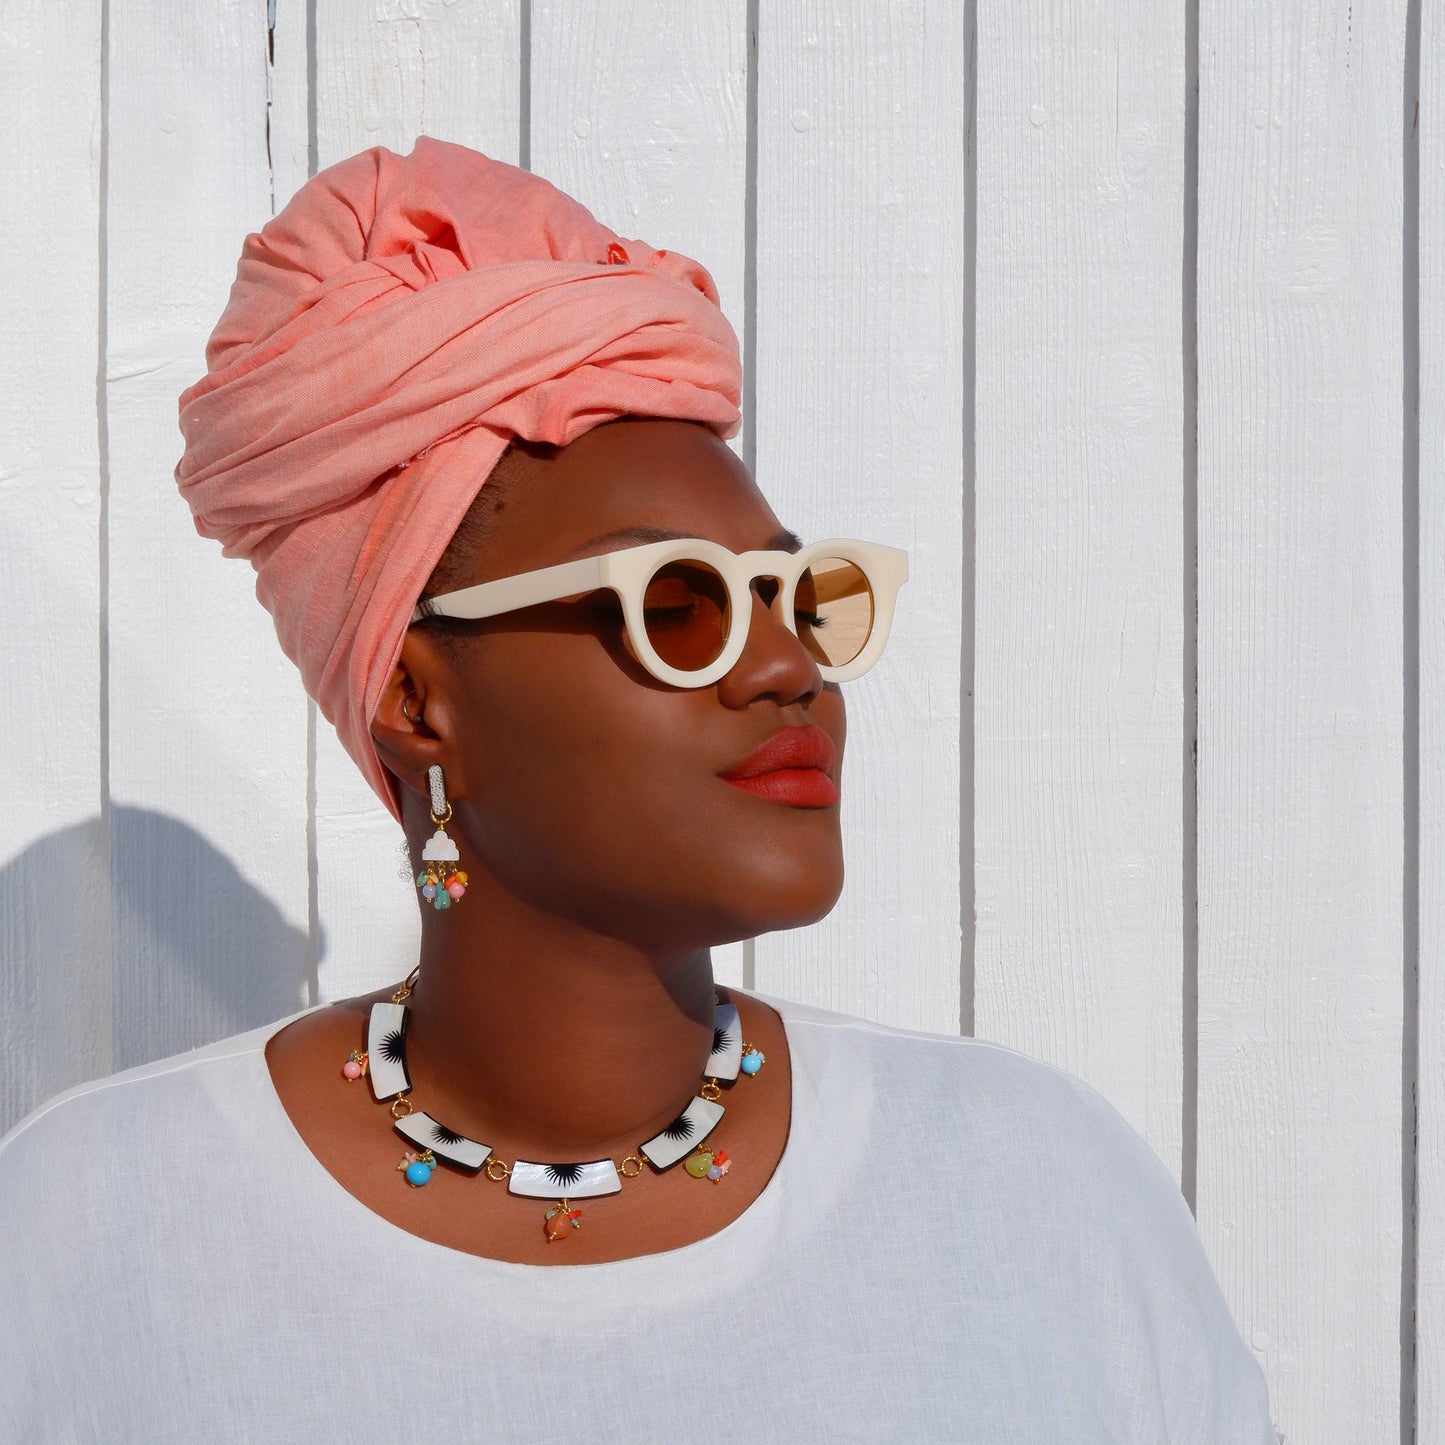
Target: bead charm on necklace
(383, 1061)
(707, 1164)
(559, 1216)
(418, 1167)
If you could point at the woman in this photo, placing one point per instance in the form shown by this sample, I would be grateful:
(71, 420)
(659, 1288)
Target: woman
(555, 1184)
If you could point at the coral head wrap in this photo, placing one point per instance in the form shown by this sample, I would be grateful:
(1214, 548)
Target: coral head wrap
(388, 334)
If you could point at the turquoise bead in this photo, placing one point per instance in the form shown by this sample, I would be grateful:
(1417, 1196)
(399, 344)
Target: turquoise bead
(418, 1174)
(752, 1063)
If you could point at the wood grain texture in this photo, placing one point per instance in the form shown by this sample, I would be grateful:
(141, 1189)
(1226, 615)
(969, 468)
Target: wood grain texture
(1080, 716)
(390, 71)
(387, 73)
(641, 113)
(1300, 698)
(1430, 1164)
(859, 424)
(55, 1027)
(207, 718)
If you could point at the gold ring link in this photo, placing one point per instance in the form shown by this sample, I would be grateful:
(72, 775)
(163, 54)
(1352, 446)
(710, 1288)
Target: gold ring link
(494, 1163)
(636, 1169)
(711, 1090)
(397, 1112)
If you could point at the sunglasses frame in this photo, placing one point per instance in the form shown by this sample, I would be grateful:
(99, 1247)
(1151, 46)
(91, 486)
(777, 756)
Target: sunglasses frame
(628, 570)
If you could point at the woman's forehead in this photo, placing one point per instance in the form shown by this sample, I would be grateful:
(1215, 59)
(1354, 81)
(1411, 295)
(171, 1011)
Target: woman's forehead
(630, 482)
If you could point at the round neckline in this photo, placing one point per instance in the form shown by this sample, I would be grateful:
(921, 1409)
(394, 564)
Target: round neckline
(766, 1198)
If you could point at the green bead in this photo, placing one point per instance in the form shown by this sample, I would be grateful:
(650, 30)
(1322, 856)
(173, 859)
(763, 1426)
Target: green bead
(698, 1164)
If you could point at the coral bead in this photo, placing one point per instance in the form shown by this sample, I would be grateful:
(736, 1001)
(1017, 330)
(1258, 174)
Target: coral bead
(455, 890)
(351, 1069)
(554, 1226)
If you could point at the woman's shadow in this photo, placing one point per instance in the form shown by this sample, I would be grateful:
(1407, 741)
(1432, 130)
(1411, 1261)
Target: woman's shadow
(124, 943)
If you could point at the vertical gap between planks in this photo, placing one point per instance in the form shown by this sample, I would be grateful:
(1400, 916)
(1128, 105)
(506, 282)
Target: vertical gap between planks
(1189, 602)
(313, 130)
(750, 251)
(1410, 751)
(967, 891)
(313, 863)
(102, 426)
(524, 85)
(313, 870)
(270, 96)
(750, 319)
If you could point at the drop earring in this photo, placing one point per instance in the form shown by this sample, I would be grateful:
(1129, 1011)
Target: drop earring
(441, 882)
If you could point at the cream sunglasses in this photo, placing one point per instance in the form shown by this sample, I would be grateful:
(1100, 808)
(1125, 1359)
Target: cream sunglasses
(687, 603)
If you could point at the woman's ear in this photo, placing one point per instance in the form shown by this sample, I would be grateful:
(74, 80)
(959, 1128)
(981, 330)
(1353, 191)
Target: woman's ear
(411, 727)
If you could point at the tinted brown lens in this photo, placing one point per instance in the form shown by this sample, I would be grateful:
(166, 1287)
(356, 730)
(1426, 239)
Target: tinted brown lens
(686, 613)
(833, 608)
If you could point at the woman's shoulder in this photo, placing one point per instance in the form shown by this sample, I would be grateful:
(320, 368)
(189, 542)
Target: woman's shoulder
(1024, 1125)
(101, 1115)
(970, 1071)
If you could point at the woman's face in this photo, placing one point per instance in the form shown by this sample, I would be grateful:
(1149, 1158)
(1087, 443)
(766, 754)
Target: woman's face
(581, 783)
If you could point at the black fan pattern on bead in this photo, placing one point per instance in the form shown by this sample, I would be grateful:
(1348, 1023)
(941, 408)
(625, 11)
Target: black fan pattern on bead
(442, 1135)
(681, 1128)
(564, 1174)
(721, 1040)
(393, 1047)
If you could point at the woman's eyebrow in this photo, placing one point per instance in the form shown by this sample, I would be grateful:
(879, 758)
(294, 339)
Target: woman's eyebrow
(784, 541)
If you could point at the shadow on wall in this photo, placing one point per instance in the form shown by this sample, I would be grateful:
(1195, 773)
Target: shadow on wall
(173, 949)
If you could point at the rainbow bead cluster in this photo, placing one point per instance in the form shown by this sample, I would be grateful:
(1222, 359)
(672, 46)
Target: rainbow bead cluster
(441, 885)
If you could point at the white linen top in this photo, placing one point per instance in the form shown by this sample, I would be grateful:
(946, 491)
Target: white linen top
(959, 1243)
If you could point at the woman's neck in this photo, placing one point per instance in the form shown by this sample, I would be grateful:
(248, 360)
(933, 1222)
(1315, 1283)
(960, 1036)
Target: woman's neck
(553, 1042)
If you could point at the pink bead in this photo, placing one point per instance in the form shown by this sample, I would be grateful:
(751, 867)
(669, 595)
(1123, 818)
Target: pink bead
(455, 890)
(351, 1069)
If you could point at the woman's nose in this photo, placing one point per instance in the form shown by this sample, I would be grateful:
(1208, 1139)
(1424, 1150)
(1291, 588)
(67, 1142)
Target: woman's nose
(774, 662)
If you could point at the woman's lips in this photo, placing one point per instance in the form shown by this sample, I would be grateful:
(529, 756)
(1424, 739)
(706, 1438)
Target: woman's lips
(793, 766)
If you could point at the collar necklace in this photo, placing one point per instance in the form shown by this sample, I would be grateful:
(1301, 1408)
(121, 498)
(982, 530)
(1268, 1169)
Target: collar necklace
(383, 1061)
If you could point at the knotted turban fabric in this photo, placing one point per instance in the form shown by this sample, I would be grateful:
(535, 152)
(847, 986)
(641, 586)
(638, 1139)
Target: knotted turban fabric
(387, 335)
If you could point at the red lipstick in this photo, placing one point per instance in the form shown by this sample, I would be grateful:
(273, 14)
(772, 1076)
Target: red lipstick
(794, 766)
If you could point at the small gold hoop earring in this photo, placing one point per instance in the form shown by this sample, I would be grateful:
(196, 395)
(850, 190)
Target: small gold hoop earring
(413, 720)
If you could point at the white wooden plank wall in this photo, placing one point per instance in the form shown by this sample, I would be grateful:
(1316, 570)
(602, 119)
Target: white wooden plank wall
(859, 402)
(1080, 725)
(55, 1025)
(1300, 697)
(1005, 388)
(206, 755)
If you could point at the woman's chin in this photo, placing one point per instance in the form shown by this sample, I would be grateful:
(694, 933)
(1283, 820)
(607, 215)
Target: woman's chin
(775, 900)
